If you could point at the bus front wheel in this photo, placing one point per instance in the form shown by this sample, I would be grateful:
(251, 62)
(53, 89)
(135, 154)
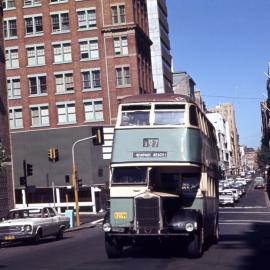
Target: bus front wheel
(113, 248)
(195, 244)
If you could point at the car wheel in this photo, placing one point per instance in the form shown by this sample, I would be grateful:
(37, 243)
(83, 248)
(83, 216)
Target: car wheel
(37, 237)
(195, 244)
(113, 248)
(60, 234)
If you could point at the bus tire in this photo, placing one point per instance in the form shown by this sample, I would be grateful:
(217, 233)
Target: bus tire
(113, 248)
(195, 244)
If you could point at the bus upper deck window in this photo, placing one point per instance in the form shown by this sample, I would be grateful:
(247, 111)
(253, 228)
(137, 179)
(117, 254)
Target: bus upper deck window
(167, 114)
(193, 115)
(135, 115)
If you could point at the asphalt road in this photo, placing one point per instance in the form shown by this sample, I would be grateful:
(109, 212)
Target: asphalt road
(244, 245)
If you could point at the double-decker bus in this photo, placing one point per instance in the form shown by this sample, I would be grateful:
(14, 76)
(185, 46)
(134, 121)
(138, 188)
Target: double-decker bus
(164, 172)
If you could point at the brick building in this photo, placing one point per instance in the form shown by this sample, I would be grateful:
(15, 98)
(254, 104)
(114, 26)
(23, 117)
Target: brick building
(68, 64)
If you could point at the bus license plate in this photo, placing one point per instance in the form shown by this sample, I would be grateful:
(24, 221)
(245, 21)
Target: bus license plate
(120, 215)
(9, 237)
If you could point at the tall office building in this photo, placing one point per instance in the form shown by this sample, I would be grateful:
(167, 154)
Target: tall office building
(69, 62)
(160, 50)
(227, 111)
(6, 185)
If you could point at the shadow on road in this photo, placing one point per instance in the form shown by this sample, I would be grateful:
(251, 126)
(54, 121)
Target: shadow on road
(257, 240)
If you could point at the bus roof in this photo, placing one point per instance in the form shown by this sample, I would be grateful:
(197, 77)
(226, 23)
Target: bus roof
(156, 98)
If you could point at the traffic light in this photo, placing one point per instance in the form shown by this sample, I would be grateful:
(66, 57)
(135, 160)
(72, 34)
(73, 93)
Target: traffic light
(98, 132)
(22, 181)
(55, 154)
(67, 179)
(79, 183)
(50, 154)
(29, 169)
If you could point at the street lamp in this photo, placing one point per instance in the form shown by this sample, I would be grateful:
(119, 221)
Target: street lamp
(74, 177)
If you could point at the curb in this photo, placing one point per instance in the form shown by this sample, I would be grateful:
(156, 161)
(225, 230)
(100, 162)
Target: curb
(81, 227)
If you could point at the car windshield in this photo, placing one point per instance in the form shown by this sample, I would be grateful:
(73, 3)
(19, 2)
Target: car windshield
(225, 193)
(25, 213)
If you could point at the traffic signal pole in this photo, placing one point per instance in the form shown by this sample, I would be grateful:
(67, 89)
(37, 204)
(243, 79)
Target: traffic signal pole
(74, 178)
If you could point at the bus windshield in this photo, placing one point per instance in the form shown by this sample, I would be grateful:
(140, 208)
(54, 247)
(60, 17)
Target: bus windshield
(129, 175)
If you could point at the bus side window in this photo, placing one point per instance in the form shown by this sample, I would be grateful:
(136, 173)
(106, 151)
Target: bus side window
(193, 115)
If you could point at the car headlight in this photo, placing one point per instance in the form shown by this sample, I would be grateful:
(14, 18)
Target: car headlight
(107, 227)
(26, 228)
(189, 227)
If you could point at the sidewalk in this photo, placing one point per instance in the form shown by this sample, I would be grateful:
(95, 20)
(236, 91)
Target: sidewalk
(94, 219)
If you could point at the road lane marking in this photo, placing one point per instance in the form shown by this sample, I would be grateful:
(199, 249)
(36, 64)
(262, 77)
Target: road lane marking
(97, 221)
(241, 212)
(244, 207)
(228, 221)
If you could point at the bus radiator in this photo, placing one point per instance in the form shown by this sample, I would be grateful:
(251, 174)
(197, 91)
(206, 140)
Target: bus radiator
(147, 215)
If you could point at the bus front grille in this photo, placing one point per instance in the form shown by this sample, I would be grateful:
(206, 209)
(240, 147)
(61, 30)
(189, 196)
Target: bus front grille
(147, 215)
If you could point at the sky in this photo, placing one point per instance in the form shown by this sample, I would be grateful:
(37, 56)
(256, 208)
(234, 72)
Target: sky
(224, 45)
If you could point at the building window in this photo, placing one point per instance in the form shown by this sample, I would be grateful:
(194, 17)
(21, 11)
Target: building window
(37, 85)
(31, 3)
(93, 110)
(60, 22)
(62, 52)
(15, 118)
(40, 115)
(118, 14)
(123, 76)
(120, 45)
(91, 79)
(89, 49)
(33, 25)
(66, 113)
(64, 83)
(10, 28)
(36, 55)
(8, 4)
(12, 58)
(14, 87)
(87, 19)
(59, 1)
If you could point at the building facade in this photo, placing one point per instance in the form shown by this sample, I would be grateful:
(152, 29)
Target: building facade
(227, 111)
(68, 63)
(221, 127)
(161, 49)
(6, 183)
(184, 84)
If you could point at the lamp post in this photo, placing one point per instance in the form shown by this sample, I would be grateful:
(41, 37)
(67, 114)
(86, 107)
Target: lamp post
(74, 178)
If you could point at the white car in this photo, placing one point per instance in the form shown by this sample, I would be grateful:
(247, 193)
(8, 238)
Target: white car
(226, 198)
(32, 223)
(235, 192)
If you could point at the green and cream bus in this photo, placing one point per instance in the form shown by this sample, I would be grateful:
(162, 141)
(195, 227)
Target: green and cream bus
(164, 172)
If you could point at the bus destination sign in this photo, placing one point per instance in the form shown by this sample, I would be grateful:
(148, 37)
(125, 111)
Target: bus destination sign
(149, 154)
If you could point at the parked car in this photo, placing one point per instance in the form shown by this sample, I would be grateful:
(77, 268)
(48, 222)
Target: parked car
(32, 223)
(259, 183)
(226, 198)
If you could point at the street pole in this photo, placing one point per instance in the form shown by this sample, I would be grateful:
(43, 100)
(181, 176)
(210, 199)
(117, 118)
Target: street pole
(74, 178)
(25, 182)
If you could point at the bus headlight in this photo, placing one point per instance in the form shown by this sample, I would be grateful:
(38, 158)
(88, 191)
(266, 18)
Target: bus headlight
(107, 227)
(189, 227)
